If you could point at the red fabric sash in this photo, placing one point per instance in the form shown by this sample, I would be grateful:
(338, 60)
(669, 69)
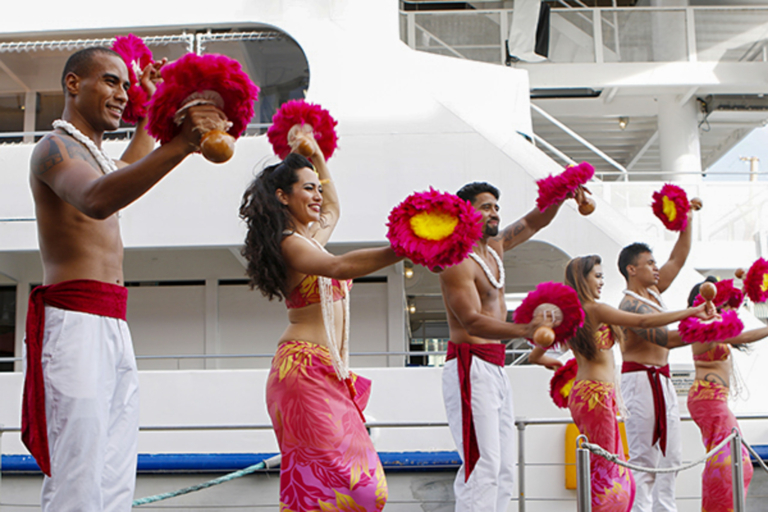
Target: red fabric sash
(659, 404)
(83, 295)
(463, 352)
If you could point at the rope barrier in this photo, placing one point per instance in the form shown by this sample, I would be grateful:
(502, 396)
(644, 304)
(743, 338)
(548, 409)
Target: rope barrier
(755, 455)
(599, 450)
(265, 464)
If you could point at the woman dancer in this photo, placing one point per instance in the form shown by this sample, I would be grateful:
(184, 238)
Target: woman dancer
(593, 399)
(708, 406)
(315, 402)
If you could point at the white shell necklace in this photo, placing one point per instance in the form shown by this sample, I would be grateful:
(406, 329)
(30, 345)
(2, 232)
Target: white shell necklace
(107, 164)
(483, 265)
(660, 306)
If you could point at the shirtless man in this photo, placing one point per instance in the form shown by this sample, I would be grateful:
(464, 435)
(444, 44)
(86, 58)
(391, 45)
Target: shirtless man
(476, 391)
(645, 381)
(80, 407)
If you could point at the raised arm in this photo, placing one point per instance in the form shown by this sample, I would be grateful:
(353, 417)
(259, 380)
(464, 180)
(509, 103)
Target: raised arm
(142, 143)
(524, 228)
(748, 336)
(66, 167)
(463, 300)
(322, 231)
(669, 271)
(306, 258)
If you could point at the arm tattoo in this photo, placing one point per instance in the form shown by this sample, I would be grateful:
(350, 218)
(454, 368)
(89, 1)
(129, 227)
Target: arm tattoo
(656, 335)
(46, 156)
(512, 231)
(713, 377)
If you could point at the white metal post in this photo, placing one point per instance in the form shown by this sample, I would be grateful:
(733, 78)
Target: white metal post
(521, 466)
(583, 485)
(737, 472)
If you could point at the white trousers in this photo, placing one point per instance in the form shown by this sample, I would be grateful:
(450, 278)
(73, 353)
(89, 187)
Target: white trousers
(92, 411)
(491, 484)
(655, 492)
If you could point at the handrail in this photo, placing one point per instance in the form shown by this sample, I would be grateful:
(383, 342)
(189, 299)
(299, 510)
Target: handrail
(579, 138)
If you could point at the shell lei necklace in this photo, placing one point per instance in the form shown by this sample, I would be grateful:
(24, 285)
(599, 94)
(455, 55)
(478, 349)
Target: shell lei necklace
(107, 164)
(660, 306)
(496, 284)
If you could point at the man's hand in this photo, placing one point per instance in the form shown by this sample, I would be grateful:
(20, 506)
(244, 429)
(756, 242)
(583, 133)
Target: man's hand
(198, 120)
(150, 77)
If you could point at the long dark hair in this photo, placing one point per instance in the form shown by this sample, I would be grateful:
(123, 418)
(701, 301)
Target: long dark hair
(267, 219)
(576, 274)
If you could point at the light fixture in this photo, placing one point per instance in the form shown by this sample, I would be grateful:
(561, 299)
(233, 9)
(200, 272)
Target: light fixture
(412, 308)
(408, 272)
(623, 122)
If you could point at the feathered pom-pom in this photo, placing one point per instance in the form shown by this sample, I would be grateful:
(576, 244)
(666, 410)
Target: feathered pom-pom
(562, 296)
(301, 112)
(671, 206)
(695, 330)
(137, 57)
(434, 229)
(556, 189)
(196, 73)
(561, 383)
(756, 281)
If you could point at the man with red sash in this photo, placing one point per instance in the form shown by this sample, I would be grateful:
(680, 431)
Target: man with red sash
(653, 423)
(476, 390)
(80, 413)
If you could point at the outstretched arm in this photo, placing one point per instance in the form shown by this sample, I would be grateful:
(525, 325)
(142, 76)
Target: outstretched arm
(669, 271)
(305, 257)
(65, 166)
(524, 228)
(660, 336)
(604, 313)
(463, 300)
(748, 336)
(539, 356)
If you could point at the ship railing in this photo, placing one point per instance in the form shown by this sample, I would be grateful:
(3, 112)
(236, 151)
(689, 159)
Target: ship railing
(518, 356)
(599, 34)
(521, 423)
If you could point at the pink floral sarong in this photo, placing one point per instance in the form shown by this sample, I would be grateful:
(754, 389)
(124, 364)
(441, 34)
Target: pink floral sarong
(593, 409)
(328, 460)
(708, 405)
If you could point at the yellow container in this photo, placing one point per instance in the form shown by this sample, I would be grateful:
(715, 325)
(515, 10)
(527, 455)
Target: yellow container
(571, 433)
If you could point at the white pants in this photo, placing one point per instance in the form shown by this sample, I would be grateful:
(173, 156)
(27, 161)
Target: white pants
(491, 484)
(655, 492)
(92, 411)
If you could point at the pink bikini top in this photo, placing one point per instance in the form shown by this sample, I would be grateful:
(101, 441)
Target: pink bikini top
(604, 337)
(308, 292)
(719, 352)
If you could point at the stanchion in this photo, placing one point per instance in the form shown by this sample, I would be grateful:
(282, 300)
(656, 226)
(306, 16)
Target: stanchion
(737, 471)
(583, 485)
(521, 466)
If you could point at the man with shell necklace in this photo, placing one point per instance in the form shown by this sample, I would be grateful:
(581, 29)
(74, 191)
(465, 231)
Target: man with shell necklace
(646, 387)
(80, 407)
(476, 390)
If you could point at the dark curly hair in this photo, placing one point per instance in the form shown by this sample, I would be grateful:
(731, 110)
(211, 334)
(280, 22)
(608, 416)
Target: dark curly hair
(470, 191)
(81, 62)
(576, 273)
(267, 219)
(629, 255)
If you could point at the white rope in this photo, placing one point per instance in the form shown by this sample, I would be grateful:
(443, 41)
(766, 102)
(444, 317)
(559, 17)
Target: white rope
(599, 450)
(496, 284)
(755, 455)
(76, 44)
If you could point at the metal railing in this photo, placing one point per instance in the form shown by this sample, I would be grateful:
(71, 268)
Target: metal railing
(520, 423)
(601, 34)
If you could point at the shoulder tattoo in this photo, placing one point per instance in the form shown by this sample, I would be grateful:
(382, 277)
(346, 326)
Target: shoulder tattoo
(76, 151)
(656, 335)
(46, 156)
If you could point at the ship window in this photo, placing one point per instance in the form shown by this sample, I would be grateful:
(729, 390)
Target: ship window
(275, 63)
(7, 325)
(11, 115)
